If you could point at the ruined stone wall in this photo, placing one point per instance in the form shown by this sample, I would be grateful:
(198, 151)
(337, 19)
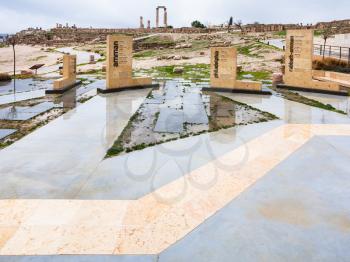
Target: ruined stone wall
(64, 35)
(263, 28)
(338, 27)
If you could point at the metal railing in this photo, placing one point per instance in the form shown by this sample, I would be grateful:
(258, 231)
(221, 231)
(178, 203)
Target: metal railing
(338, 52)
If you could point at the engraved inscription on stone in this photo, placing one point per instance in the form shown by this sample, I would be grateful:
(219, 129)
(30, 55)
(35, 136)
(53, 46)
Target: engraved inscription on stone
(116, 54)
(73, 66)
(291, 56)
(216, 64)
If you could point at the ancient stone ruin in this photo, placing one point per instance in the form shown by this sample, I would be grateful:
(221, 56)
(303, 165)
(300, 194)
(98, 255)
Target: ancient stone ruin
(165, 16)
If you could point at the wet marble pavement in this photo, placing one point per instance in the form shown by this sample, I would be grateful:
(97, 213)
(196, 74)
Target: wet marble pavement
(270, 191)
(23, 113)
(6, 132)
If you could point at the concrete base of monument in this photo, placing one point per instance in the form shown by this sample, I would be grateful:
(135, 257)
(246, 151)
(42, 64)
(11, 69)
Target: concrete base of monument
(127, 88)
(314, 90)
(53, 91)
(263, 91)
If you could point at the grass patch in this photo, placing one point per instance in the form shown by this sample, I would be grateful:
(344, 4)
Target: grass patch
(257, 76)
(198, 73)
(254, 49)
(195, 73)
(146, 53)
(19, 76)
(281, 33)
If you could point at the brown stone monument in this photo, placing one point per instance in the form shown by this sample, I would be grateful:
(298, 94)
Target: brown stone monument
(298, 60)
(69, 79)
(223, 75)
(119, 66)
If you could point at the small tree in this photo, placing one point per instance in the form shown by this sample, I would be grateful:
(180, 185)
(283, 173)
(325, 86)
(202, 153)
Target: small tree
(239, 24)
(197, 24)
(229, 25)
(326, 33)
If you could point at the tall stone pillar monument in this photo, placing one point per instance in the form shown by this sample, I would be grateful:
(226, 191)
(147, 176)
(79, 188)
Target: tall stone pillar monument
(119, 66)
(157, 17)
(223, 73)
(69, 79)
(165, 18)
(298, 60)
(141, 22)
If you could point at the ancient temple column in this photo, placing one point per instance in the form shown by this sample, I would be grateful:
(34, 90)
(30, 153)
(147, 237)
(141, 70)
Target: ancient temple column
(157, 18)
(148, 24)
(165, 18)
(141, 22)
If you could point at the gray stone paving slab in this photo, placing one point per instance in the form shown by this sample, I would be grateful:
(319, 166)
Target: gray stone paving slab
(170, 121)
(6, 132)
(154, 101)
(195, 114)
(175, 103)
(172, 90)
(19, 113)
(192, 99)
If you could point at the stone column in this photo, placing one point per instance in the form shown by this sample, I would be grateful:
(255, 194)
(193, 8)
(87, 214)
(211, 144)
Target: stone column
(165, 18)
(148, 24)
(141, 23)
(157, 18)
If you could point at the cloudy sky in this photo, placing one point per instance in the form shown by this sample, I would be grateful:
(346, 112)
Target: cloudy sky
(16, 15)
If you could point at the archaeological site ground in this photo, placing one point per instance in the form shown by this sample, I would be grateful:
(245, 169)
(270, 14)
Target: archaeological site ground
(226, 142)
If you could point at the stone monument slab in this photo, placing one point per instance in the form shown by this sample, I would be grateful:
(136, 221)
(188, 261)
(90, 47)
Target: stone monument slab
(223, 75)
(298, 60)
(69, 79)
(119, 66)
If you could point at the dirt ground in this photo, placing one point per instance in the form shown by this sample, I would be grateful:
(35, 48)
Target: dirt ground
(26, 56)
(259, 58)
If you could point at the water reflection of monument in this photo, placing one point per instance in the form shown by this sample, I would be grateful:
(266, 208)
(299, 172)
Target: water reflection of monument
(117, 112)
(222, 113)
(295, 113)
(68, 101)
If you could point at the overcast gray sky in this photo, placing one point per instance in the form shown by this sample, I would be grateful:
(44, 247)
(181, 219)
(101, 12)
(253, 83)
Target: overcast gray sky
(16, 15)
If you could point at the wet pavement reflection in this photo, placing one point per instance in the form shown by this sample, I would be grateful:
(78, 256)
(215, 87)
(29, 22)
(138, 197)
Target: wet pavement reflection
(65, 159)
